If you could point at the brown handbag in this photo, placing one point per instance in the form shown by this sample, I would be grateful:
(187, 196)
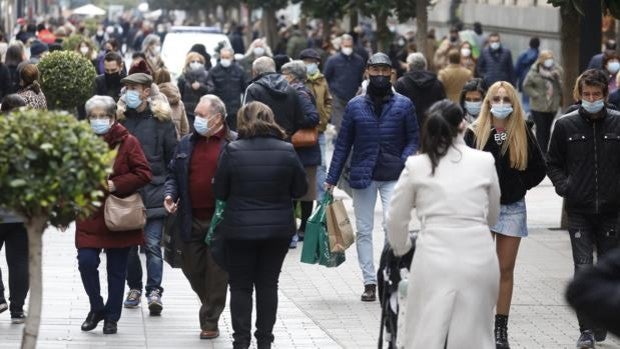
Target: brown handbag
(305, 137)
(124, 214)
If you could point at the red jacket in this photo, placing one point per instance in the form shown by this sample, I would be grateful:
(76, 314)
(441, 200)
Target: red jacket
(131, 172)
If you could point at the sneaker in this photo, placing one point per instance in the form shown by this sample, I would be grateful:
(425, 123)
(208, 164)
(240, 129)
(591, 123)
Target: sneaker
(293, 243)
(3, 306)
(133, 298)
(586, 340)
(154, 301)
(370, 293)
(18, 318)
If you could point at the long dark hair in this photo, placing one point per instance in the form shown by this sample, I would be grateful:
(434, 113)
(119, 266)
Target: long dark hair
(440, 129)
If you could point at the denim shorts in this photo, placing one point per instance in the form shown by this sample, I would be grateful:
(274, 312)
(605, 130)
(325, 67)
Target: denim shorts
(512, 220)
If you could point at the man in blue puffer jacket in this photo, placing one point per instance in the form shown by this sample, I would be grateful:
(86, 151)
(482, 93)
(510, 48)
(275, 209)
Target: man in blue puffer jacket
(382, 128)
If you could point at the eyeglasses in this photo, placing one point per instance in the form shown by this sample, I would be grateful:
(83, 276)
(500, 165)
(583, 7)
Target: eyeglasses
(498, 99)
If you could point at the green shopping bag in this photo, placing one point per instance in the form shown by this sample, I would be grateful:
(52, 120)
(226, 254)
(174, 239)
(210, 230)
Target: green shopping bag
(316, 241)
(218, 217)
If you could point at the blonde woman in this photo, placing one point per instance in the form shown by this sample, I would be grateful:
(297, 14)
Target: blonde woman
(192, 83)
(501, 130)
(151, 47)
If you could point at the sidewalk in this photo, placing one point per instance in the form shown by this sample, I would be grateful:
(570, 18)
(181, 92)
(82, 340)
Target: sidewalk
(319, 307)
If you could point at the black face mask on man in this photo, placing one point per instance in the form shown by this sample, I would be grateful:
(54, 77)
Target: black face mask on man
(113, 78)
(379, 85)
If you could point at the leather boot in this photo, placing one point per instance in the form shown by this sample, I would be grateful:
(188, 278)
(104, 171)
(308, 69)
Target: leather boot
(370, 293)
(501, 332)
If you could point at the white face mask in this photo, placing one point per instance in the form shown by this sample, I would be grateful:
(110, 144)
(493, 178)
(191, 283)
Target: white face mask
(495, 45)
(225, 62)
(548, 63)
(99, 32)
(259, 51)
(465, 52)
(196, 65)
(84, 50)
(347, 51)
(156, 49)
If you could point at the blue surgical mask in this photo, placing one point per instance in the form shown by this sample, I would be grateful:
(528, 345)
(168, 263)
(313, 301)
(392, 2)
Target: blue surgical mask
(201, 125)
(312, 68)
(613, 67)
(473, 108)
(593, 107)
(100, 126)
(500, 110)
(132, 98)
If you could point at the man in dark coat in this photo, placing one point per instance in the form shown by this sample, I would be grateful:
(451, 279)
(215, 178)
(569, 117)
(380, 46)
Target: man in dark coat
(272, 89)
(582, 164)
(420, 85)
(495, 63)
(109, 83)
(228, 81)
(153, 126)
(381, 131)
(236, 40)
(189, 188)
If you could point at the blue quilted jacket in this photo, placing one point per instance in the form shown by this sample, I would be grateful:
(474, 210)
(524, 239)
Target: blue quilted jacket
(381, 145)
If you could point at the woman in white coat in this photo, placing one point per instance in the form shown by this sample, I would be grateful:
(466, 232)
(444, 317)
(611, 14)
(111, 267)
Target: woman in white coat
(454, 279)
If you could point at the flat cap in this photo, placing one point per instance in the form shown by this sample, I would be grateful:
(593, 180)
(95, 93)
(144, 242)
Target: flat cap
(138, 79)
(310, 53)
(380, 59)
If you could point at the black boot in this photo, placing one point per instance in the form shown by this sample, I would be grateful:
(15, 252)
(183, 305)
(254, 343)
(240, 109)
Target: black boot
(370, 293)
(109, 327)
(501, 332)
(92, 320)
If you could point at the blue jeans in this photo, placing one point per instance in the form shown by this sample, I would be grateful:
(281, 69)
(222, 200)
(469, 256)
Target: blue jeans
(154, 261)
(321, 171)
(364, 207)
(116, 265)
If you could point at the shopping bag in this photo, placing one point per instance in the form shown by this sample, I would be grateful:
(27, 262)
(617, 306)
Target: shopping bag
(215, 239)
(316, 241)
(339, 227)
(217, 218)
(172, 243)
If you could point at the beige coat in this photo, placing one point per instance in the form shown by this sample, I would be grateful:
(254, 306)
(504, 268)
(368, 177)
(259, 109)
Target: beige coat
(454, 280)
(318, 85)
(179, 117)
(454, 77)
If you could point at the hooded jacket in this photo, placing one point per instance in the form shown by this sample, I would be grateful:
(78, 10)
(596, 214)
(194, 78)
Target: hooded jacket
(423, 89)
(318, 85)
(178, 108)
(309, 156)
(130, 173)
(274, 91)
(155, 130)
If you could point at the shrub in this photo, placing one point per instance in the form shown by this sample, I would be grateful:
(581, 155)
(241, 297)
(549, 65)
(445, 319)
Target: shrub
(67, 79)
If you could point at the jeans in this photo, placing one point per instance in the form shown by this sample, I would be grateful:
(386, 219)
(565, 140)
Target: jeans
(254, 264)
(364, 207)
(116, 266)
(543, 123)
(207, 279)
(154, 261)
(321, 170)
(587, 231)
(16, 239)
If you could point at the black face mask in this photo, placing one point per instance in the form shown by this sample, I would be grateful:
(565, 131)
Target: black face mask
(379, 85)
(113, 79)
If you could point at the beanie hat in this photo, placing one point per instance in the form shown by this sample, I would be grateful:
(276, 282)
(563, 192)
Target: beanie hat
(139, 68)
(37, 48)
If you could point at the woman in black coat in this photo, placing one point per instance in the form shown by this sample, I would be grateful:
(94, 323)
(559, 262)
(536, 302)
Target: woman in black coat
(193, 84)
(258, 176)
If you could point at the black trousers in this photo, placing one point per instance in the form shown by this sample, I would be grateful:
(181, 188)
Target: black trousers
(15, 237)
(254, 264)
(543, 123)
(587, 231)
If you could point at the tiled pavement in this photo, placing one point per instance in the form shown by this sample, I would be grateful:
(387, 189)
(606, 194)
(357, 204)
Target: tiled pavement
(319, 307)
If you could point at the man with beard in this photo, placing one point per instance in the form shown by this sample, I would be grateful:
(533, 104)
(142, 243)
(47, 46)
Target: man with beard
(109, 83)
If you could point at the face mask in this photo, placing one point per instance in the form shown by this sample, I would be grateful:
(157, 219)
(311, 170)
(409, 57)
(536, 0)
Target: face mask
(500, 110)
(156, 49)
(380, 84)
(495, 46)
(201, 125)
(258, 51)
(613, 67)
(593, 107)
(401, 42)
(548, 63)
(473, 108)
(312, 68)
(84, 50)
(226, 62)
(347, 51)
(100, 126)
(132, 98)
(196, 65)
(113, 79)
(465, 52)
(99, 32)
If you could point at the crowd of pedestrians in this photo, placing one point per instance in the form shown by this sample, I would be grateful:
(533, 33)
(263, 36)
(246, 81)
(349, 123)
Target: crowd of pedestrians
(228, 134)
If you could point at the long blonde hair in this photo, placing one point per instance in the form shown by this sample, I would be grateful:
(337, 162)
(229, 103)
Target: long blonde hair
(516, 128)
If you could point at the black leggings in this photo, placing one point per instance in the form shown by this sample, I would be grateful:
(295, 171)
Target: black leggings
(543, 123)
(15, 237)
(306, 211)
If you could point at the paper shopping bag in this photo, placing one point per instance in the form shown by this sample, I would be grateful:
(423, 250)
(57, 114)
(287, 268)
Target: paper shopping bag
(341, 235)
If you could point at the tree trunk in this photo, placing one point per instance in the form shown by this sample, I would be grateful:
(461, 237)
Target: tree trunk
(570, 38)
(269, 24)
(35, 228)
(382, 32)
(354, 18)
(421, 36)
(327, 30)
